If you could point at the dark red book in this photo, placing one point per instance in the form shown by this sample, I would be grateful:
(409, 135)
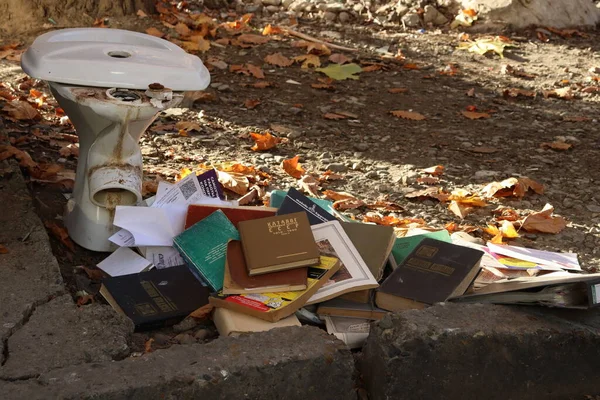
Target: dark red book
(197, 212)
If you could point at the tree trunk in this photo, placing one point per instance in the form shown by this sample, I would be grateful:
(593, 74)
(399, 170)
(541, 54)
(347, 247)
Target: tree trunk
(29, 16)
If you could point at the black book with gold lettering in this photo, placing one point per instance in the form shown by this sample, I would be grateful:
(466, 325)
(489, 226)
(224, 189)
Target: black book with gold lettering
(155, 298)
(433, 272)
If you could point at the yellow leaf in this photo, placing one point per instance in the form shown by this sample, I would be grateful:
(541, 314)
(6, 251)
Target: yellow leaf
(415, 116)
(293, 167)
(508, 230)
(272, 30)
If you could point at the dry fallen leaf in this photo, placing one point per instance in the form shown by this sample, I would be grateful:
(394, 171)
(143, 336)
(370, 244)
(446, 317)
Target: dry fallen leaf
(3, 249)
(293, 167)
(385, 206)
(415, 116)
(389, 220)
(495, 232)
(483, 149)
(251, 38)
(24, 158)
(272, 30)
(431, 192)
(237, 183)
(93, 274)
(454, 227)
(61, 234)
(264, 142)
(69, 150)
(334, 116)
(563, 93)
(148, 346)
(251, 103)
(503, 213)
(556, 145)
(544, 221)
(308, 60)
(155, 32)
(319, 49)
(182, 29)
(512, 187)
(21, 110)
(257, 72)
(475, 115)
(343, 200)
(513, 92)
(261, 84)
(202, 312)
(428, 180)
(85, 299)
(311, 185)
(339, 58)
(188, 126)
(397, 90)
(508, 230)
(460, 210)
(279, 60)
(436, 170)
(330, 176)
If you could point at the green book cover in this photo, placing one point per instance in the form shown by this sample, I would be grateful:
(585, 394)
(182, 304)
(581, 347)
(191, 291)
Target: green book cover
(204, 247)
(403, 246)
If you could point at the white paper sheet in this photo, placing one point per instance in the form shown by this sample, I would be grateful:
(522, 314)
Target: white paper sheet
(123, 261)
(566, 261)
(163, 256)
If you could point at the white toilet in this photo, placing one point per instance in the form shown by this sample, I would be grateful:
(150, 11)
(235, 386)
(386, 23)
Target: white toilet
(112, 84)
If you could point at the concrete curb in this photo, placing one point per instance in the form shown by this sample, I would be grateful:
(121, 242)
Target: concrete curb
(483, 352)
(287, 363)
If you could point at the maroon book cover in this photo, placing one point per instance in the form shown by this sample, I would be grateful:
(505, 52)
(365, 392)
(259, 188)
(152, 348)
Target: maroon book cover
(197, 212)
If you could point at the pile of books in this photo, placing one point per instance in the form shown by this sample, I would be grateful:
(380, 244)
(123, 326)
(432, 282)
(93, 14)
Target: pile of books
(264, 267)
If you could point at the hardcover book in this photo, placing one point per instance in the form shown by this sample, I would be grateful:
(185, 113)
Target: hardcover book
(352, 331)
(374, 244)
(155, 298)
(339, 307)
(231, 323)
(434, 272)
(278, 243)
(237, 280)
(275, 306)
(295, 201)
(203, 247)
(354, 274)
(403, 246)
(197, 212)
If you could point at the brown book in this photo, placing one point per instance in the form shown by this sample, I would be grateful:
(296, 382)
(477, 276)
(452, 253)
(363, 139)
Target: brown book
(197, 212)
(394, 303)
(231, 323)
(275, 306)
(278, 243)
(374, 244)
(237, 280)
(339, 307)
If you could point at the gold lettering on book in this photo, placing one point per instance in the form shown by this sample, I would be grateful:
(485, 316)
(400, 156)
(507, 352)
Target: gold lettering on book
(283, 227)
(426, 251)
(163, 303)
(423, 265)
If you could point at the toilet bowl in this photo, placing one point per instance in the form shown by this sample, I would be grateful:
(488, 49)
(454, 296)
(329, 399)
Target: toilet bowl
(112, 84)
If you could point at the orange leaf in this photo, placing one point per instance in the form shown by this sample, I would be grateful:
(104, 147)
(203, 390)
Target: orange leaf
(293, 168)
(348, 204)
(279, 60)
(202, 312)
(385, 206)
(339, 58)
(389, 220)
(182, 29)
(470, 12)
(435, 170)
(310, 185)
(155, 32)
(459, 209)
(261, 84)
(85, 299)
(475, 115)
(544, 221)
(415, 116)
(251, 103)
(428, 180)
(272, 30)
(512, 187)
(397, 90)
(325, 86)
(308, 60)
(411, 66)
(330, 176)
(256, 71)
(372, 68)
(264, 142)
(148, 346)
(3, 250)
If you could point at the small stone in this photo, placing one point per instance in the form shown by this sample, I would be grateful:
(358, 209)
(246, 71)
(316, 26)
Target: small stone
(162, 339)
(265, 169)
(411, 20)
(279, 158)
(401, 9)
(271, 2)
(201, 334)
(372, 175)
(433, 16)
(272, 9)
(252, 8)
(337, 167)
(287, 3)
(344, 17)
(298, 6)
(265, 156)
(361, 146)
(184, 338)
(223, 88)
(384, 189)
(331, 7)
(484, 174)
(593, 208)
(185, 325)
(330, 16)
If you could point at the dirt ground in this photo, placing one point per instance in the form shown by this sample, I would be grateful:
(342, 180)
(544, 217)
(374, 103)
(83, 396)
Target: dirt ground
(378, 155)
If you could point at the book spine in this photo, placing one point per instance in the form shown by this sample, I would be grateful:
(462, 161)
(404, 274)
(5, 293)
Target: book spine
(192, 267)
